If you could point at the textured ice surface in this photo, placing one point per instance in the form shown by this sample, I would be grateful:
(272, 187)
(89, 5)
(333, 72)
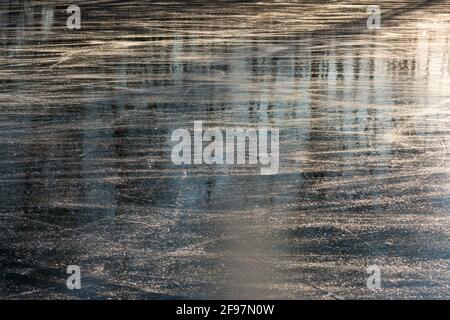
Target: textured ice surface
(86, 176)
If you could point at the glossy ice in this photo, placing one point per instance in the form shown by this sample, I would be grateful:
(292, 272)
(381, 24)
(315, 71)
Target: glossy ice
(86, 176)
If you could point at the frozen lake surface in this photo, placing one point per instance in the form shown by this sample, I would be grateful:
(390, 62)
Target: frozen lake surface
(86, 176)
